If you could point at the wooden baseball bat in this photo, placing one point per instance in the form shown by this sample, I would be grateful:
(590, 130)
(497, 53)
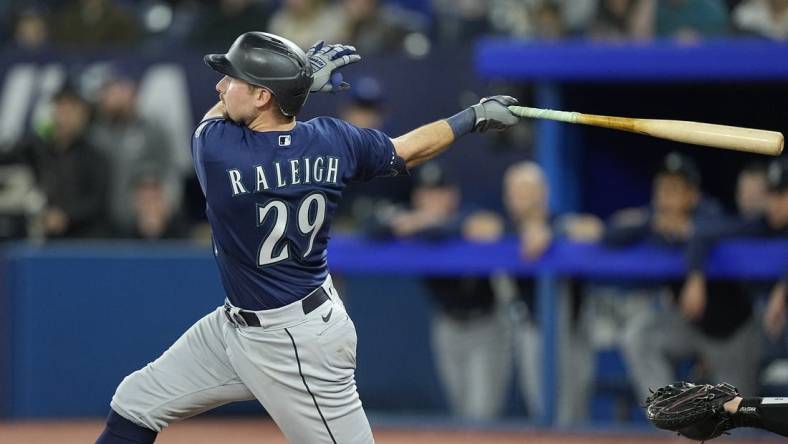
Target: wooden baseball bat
(707, 134)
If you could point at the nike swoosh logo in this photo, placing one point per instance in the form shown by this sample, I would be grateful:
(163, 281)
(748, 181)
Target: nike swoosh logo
(328, 316)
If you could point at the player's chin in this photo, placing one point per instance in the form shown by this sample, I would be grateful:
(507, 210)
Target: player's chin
(226, 115)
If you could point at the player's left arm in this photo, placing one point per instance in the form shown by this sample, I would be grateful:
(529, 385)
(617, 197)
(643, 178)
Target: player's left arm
(426, 142)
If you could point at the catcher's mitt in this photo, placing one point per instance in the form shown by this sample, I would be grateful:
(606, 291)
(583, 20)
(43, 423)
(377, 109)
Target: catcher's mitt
(694, 411)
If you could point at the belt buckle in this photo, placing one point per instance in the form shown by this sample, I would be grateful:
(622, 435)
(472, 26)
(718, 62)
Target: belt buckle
(233, 315)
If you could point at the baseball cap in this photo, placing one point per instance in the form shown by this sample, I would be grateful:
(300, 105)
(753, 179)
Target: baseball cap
(432, 175)
(367, 91)
(777, 175)
(677, 163)
(68, 90)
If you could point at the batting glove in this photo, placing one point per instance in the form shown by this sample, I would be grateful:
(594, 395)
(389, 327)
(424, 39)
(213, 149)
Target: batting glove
(325, 60)
(492, 114)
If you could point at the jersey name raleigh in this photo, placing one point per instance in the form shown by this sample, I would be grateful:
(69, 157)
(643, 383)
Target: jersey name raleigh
(283, 174)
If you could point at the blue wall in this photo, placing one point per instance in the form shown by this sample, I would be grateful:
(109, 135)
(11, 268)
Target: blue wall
(84, 316)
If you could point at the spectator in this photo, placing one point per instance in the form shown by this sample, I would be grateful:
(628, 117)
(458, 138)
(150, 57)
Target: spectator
(691, 20)
(461, 21)
(623, 20)
(375, 28)
(71, 173)
(154, 216)
(752, 190)
(130, 144)
(767, 18)
(31, 30)
(541, 19)
(470, 340)
(525, 198)
(307, 21)
(219, 23)
(20, 201)
(94, 23)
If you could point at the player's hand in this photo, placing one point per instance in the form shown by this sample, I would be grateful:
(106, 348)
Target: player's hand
(774, 315)
(325, 60)
(693, 297)
(492, 114)
(55, 221)
(535, 239)
(482, 226)
(583, 227)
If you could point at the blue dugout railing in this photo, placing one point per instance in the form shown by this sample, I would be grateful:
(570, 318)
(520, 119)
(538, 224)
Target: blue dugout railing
(81, 316)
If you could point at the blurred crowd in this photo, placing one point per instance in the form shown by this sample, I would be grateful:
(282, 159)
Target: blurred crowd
(374, 26)
(93, 170)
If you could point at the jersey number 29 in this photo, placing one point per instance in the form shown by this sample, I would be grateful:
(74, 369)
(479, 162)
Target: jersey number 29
(310, 216)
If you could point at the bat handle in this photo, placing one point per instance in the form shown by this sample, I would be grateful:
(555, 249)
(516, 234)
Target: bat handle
(539, 113)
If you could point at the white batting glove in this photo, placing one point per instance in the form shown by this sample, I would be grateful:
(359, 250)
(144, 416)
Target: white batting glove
(325, 60)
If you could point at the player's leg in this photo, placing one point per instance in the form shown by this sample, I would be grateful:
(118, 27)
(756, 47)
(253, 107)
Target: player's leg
(303, 375)
(449, 354)
(575, 351)
(528, 356)
(192, 376)
(744, 345)
(651, 342)
(487, 348)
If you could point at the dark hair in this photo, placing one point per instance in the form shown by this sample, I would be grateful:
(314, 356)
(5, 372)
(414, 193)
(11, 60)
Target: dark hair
(755, 167)
(777, 175)
(68, 91)
(433, 175)
(680, 165)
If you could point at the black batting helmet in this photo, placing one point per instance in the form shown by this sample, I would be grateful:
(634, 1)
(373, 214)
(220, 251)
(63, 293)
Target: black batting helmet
(270, 61)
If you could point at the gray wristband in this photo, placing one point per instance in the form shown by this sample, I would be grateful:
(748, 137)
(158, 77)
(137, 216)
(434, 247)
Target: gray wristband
(462, 123)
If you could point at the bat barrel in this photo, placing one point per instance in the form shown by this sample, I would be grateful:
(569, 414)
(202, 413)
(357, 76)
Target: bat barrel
(719, 136)
(698, 133)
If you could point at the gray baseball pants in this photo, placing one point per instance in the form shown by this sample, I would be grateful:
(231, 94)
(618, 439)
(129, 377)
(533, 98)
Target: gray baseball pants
(299, 366)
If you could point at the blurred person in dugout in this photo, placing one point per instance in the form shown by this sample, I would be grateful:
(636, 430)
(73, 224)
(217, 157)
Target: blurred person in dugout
(365, 107)
(657, 339)
(470, 336)
(526, 200)
(153, 216)
(70, 172)
(768, 218)
(130, 143)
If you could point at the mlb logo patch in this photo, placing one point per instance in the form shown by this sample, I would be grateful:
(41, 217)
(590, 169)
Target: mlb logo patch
(284, 140)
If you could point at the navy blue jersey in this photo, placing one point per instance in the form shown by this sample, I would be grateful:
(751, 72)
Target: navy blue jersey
(271, 196)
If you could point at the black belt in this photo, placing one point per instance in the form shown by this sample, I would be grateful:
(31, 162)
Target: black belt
(308, 304)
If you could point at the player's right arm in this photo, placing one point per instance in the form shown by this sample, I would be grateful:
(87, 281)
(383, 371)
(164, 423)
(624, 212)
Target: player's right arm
(426, 142)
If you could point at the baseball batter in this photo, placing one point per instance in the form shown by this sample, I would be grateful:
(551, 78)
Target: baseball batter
(272, 185)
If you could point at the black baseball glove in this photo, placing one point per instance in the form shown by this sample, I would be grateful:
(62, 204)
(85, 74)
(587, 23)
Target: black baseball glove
(694, 411)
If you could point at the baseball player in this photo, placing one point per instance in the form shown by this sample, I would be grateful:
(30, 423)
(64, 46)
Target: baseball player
(272, 185)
